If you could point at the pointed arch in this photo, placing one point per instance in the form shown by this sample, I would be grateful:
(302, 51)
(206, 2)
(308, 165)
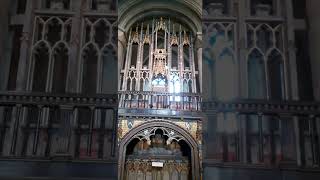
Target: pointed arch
(225, 75)
(101, 32)
(109, 70)
(190, 86)
(134, 54)
(60, 67)
(133, 84)
(89, 69)
(264, 33)
(174, 56)
(146, 52)
(276, 75)
(41, 57)
(256, 75)
(189, 140)
(186, 56)
(53, 29)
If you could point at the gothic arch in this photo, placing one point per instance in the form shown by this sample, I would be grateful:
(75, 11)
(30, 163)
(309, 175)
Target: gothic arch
(195, 163)
(189, 12)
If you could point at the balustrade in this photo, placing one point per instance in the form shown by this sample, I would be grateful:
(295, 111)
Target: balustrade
(71, 126)
(155, 100)
(261, 132)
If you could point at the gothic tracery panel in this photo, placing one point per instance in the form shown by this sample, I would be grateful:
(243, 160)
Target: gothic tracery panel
(98, 55)
(220, 54)
(265, 45)
(50, 54)
(160, 62)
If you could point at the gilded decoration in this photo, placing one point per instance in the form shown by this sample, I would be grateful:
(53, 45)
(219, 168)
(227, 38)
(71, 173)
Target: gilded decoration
(174, 40)
(161, 25)
(160, 64)
(186, 40)
(193, 127)
(135, 37)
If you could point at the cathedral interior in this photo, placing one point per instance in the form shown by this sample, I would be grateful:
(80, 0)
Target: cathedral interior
(159, 89)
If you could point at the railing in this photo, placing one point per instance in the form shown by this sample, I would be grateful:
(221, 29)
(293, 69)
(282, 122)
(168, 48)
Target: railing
(44, 125)
(156, 100)
(98, 100)
(262, 106)
(262, 132)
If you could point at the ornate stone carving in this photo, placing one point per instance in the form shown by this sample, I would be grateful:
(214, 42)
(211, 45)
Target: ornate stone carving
(161, 25)
(186, 40)
(135, 37)
(146, 39)
(174, 40)
(160, 62)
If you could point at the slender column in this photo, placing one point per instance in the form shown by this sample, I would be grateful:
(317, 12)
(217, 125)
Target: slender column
(314, 29)
(18, 137)
(297, 140)
(10, 141)
(210, 139)
(287, 138)
(121, 53)
(180, 58)
(198, 47)
(290, 65)
(127, 63)
(242, 51)
(152, 48)
(73, 121)
(243, 138)
(139, 59)
(74, 58)
(261, 145)
(25, 45)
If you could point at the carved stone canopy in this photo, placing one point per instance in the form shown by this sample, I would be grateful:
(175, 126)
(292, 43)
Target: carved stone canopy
(160, 62)
(161, 25)
(157, 146)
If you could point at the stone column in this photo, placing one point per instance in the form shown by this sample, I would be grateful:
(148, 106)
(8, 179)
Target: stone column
(243, 138)
(314, 29)
(122, 42)
(242, 51)
(198, 47)
(26, 44)
(290, 69)
(9, 147)
(288, 141)
(210, 136)
(297, 139)
(73, 79)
